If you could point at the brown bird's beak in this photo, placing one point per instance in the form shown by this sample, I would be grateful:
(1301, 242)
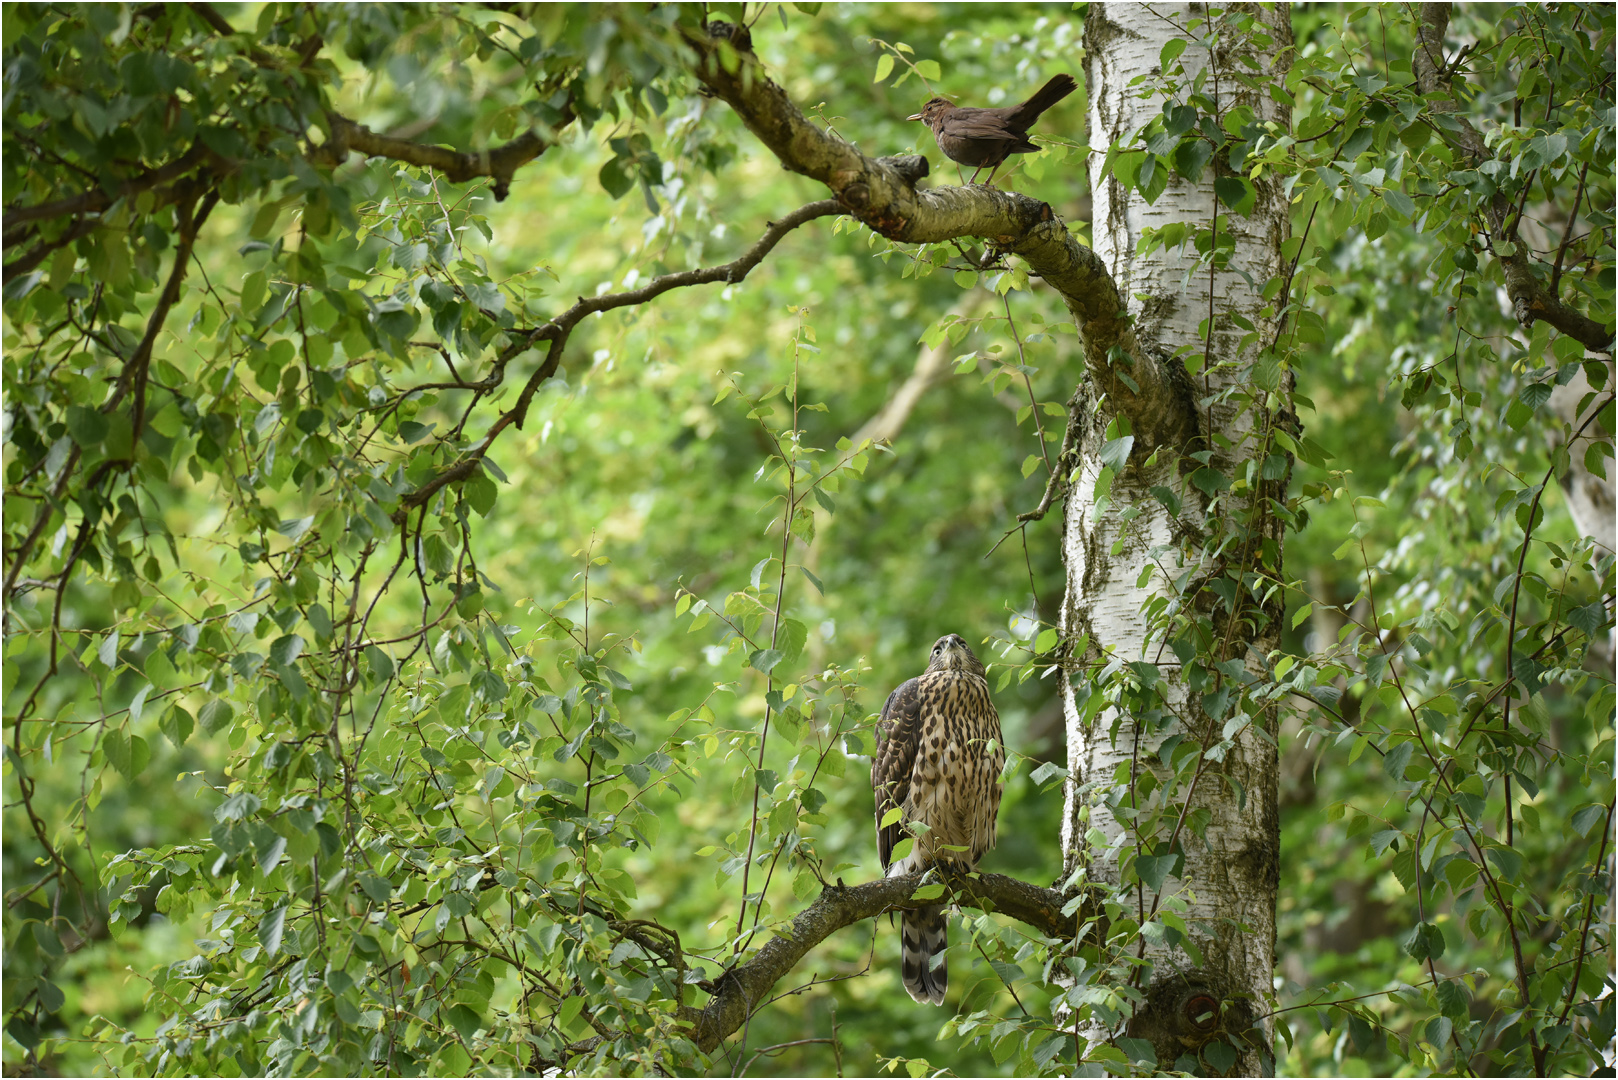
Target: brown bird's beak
(918, 116)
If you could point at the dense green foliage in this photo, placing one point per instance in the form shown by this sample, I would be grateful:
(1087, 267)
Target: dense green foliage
(395, 683)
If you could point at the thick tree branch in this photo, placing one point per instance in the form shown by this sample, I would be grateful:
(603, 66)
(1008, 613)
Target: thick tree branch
(740, 991)
(22, 223)
(459, 166)
(97, 199)
(881, 193)
(1531, 299)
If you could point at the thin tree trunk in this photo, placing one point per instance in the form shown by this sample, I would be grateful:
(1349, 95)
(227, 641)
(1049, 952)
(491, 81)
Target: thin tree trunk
(1228, 883)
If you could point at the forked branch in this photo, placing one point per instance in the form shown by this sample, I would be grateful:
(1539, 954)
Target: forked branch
(881, 192)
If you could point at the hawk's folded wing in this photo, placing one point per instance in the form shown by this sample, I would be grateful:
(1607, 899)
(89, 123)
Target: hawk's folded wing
(898, 731)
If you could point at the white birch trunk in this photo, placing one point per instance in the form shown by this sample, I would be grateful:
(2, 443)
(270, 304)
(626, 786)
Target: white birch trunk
(1231, 881)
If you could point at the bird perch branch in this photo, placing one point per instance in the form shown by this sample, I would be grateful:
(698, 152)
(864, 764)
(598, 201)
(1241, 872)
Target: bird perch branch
(881, 192)
(740, 990)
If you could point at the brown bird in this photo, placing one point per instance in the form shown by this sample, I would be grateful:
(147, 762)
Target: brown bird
(984, 138)
(938, 764)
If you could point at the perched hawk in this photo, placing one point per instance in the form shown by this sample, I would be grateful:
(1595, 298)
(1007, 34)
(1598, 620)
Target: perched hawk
(938, 760)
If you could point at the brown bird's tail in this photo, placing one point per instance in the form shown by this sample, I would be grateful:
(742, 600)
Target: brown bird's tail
(1059, 87)
(924, 935)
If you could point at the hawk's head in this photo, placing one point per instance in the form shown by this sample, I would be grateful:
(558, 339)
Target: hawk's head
(951, 653)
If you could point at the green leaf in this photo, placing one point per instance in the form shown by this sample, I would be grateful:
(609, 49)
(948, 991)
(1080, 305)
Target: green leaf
(216, 715)
(1399, 203)
(1169, 53)
(1115, 452)
(1210, 481)
(271, 928)
(377, 887)
(1046, 771)
(466, 1022)
(1453, 1000)
(50, 995)
(792, 639)
(929, 69)
(1362, 1033)
(107, 652)
(1507, 860)
(614, 179)
(1235, 192)
(1139, 1051)
(1398, 757)
(115, 745)
(176, 724)
(884, 67)
(293, 528)
(1424, 942)
(273, 846)
(87, 426)
(804, 885)
(1047, 1050)
(1155, 869)
(238, 807)
(286, 649)
(48, 940)
(1221, 1055)
(253, 286)
(1585, 819)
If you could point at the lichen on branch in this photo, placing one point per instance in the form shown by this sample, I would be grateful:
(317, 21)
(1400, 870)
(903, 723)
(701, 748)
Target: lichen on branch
(741, 990)
(881, 193)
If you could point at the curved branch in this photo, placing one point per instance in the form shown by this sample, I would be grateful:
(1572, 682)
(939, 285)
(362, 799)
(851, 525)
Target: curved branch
(740, 991)
(881, 193)
(1531, 299)
(558, 329)
(499, 163)
(459, 166)
(97, 199)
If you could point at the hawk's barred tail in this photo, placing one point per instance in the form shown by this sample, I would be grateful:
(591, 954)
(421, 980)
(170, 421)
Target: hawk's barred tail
(924, 934)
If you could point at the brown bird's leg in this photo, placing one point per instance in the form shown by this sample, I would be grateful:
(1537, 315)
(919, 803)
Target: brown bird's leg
(990, 180)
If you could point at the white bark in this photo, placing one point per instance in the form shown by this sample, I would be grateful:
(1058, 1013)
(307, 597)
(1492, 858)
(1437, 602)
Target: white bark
(1232, 880)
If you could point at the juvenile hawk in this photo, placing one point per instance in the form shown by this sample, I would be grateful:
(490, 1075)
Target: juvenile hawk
(938, 760)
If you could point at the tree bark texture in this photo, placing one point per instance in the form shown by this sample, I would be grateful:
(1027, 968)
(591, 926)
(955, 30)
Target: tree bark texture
(1131, 372)
(743, 990)
(1121, 551)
